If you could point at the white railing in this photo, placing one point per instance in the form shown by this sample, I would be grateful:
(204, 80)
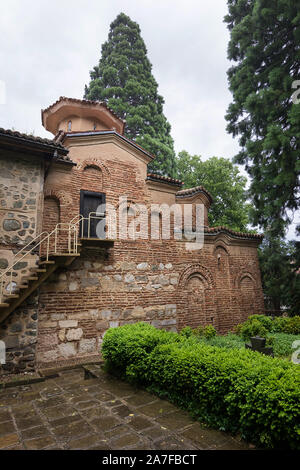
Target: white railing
(53, 244)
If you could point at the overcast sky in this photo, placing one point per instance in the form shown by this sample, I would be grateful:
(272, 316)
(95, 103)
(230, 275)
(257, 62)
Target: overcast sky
(49, 47)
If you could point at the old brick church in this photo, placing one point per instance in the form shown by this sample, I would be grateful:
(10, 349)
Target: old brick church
(61, 292)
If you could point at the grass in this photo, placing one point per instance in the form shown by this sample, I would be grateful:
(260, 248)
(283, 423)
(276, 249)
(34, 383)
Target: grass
(282, 345)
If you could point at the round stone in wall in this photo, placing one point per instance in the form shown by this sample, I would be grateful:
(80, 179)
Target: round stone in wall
(3, 263)
(11, 225)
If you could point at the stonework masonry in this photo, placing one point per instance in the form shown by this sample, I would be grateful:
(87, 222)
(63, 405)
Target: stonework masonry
(156, 281)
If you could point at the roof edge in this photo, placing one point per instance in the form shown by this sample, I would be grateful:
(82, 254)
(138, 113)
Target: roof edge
(105, 132)
(164, 179)
(189, 192)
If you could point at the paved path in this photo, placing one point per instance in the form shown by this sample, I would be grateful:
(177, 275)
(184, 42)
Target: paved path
(101, 413)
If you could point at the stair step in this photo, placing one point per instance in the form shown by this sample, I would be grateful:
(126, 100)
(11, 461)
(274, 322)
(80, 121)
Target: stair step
(4, 305)
(30, 278)
(23, 286)
(11, 296)
(65, 254)
(46, 262)
(40, 270)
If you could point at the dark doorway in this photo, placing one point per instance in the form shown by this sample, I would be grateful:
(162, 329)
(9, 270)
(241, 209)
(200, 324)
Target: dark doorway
(89, 204)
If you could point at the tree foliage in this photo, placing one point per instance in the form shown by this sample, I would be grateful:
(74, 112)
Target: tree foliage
(265, 46)
(280, 264)
(225, 183)
(123, 79)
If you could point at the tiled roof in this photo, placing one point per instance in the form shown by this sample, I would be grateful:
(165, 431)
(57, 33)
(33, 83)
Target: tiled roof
(76, 100)
(31, 138)
(45, 144)
(191, 191)
(164, 179)
(233, 232)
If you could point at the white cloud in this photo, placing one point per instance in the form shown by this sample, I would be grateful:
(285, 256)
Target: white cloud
(48, 49)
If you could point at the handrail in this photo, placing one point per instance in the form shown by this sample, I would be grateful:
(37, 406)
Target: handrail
(70, 227)
(46, 238)
(18, 260)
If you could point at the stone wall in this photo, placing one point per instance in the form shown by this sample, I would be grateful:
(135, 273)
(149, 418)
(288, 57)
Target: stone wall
(19, 333)
(21, 194)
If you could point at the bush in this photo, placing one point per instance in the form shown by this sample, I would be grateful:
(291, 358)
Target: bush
(247, 392)
(279, 324)
(253, 328)
(207, 331)
(292, 326)
(261, 324)
(187, 331)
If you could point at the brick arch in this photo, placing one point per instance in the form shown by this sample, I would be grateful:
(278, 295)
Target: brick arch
(125, 204)
(196, 300)
(197, 270)
(242, 275)
(222, 246)
(61, 196)
(94, 162)
(51, 213)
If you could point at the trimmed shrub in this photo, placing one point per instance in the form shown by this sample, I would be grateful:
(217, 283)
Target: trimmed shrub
(247, 392)
(209, 332)
(187, 331)
(292, 326)
(261, 324)
(253, 328)
(279, 324)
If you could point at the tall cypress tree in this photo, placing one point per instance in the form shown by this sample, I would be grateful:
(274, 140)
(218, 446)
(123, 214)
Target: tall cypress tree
(265, 46)
(123, 79)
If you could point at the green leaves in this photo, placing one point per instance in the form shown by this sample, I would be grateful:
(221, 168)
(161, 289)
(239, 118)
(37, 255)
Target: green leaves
(124, 80)
(264, 44)
(236, 390)
(279, 264)
(225, 183)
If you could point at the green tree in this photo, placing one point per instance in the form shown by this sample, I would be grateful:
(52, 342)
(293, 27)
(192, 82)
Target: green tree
(224, 182)
(279, 263)
(123, 79)
(265, 46)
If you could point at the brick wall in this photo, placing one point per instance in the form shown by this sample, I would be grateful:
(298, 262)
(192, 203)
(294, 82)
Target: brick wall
(157, 281)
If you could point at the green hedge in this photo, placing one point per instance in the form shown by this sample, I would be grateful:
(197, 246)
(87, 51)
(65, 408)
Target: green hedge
(261, 324)
(244, 392)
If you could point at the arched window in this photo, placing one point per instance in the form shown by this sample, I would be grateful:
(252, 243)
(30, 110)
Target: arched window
(92, 178)
(222, 257)
(69, 126)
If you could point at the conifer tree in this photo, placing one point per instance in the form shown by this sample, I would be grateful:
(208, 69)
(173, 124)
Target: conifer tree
(265, 46)
(123, 79)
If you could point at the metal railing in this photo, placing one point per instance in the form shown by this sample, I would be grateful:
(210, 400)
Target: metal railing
(48, 244)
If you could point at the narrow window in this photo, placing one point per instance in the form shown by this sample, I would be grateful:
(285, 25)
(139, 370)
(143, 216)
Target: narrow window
(69, 126)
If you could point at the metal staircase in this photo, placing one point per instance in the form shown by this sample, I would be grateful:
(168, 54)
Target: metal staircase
(49, 251)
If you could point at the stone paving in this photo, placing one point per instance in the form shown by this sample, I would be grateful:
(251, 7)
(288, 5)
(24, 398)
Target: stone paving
(103, 413)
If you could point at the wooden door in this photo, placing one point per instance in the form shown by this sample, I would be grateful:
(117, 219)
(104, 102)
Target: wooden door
(89, 203)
